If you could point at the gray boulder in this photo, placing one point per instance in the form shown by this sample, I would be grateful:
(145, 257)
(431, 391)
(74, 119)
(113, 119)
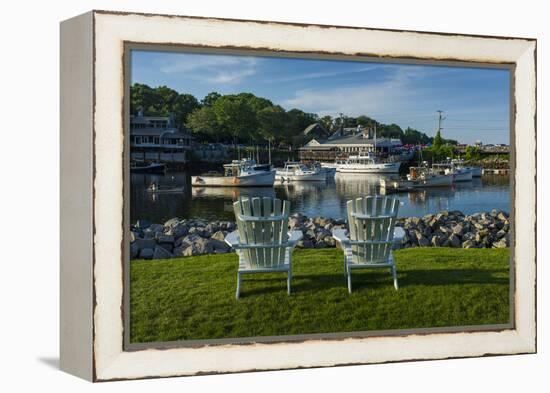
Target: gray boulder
(220, 246)
(502, 243)
(304, 243)
(161, 238)
(458, 229)
(156, 228)
(219, 235)
(146, 253)
(454, 240)
(144, 243)
(178, 230)
(134, 251)
(321, 244)
(161, 253)
(309, 234)
(172, 222)
(423, 241)
(143, 224)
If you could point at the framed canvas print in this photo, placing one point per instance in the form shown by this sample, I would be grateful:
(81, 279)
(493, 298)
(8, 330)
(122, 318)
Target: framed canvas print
(247, 195)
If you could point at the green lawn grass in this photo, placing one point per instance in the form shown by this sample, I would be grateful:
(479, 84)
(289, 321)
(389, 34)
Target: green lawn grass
(194, 298)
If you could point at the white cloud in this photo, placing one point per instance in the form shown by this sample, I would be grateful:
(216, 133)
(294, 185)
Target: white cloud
(318, 75)
(211, 69)
(389, 96)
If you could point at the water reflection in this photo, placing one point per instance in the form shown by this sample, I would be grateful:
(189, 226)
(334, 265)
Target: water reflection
(311, 198)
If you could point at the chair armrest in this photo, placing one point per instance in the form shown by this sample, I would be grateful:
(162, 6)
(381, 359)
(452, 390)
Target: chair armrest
(294, 237)
(340, 236)
(398, 234)
(232, 239)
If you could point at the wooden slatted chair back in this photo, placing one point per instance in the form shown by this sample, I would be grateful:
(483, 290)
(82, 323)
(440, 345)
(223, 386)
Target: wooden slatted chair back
(371, 224)
(263, 230)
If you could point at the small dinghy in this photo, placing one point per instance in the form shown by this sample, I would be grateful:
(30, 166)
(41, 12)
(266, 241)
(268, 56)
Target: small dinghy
(156, 189)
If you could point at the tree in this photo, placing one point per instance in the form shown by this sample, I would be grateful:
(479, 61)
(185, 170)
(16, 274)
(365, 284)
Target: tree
(273, 121)
(183, 105)
(389, 131)
(438, 141)
(162, 101)
(472, 153)
(298, 121)
(210, 98)
(327, 122)
(414, 137)
(141, 97)
(204, 123)
(235, 116)
(254, 102)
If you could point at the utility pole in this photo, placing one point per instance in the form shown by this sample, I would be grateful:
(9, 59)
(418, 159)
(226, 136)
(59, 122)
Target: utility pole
(440, 120)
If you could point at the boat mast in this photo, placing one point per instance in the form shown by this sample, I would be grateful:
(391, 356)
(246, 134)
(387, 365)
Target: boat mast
(374, 138)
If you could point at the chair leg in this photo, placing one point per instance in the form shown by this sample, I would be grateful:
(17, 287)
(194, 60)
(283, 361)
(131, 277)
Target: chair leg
(288, 282)
(349, 280)
(394, 273)
(238, 293)
(345, 265)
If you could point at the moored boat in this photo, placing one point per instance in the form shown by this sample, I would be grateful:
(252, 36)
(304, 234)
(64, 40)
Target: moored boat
(295, 171)
(243, 173)
(476, 170)
(450, 168)
(147, 167)
(367, 163)
(418, 177)
(155, 189)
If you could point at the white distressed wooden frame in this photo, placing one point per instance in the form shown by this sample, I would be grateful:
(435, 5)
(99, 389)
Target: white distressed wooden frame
(92, 155)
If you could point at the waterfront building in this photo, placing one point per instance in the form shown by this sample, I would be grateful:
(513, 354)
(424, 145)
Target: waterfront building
(344, 142)
(157, 134)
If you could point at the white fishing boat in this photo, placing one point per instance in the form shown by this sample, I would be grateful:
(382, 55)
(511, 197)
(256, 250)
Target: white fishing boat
(329, 171)
(418, 177)
(295, 171)
(460, 173)
(239, 173)
(367, 163)
(476, 171)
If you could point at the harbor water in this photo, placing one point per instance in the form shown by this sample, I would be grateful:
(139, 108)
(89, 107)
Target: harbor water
(327, 199)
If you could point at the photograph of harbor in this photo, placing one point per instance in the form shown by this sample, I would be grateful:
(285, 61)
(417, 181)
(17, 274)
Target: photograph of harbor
(278, 197)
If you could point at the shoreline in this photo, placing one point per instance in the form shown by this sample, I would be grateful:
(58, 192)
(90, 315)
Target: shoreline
(188, 237)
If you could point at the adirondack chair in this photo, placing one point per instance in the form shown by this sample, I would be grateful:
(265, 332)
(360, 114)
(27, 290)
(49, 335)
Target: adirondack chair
(262, 240)
(371, 235)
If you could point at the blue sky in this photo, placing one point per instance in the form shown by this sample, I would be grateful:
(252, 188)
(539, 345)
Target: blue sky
(475, 101)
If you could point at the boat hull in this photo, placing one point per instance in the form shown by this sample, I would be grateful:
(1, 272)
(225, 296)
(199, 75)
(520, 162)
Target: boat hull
(404, 185)
(463, 175)
(476, 171)
(166, 191)
(289, 176)
(152, 168)
(263, 179)
(369, 168)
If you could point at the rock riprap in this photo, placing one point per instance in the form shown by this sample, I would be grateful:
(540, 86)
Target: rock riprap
(187, 237)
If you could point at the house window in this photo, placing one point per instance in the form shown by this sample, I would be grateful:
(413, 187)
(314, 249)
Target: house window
(138, 140)
(156, 141)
